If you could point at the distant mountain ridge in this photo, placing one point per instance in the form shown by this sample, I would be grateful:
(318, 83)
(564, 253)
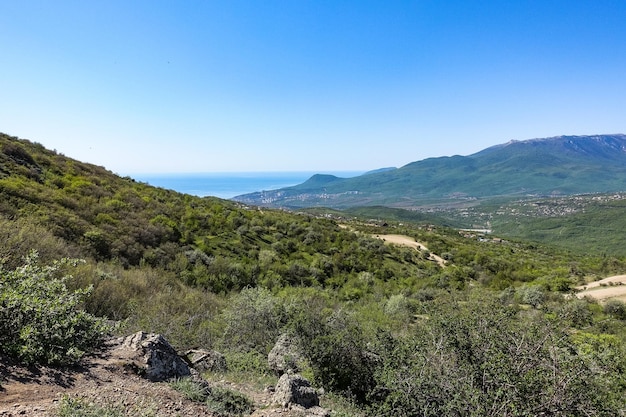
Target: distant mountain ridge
(561, 165)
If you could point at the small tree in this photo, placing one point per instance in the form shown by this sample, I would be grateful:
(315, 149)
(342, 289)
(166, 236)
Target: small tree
(616, 309)
(253, 320)
(40, 319)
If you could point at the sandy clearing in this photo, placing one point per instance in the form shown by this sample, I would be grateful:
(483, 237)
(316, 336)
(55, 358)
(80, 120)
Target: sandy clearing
(604, 293)
(608, 288)
(621, 279)
(410, 242)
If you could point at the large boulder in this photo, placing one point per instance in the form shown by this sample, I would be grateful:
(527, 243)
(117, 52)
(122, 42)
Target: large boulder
(295, 389)
(152, 357)
(206, 360)
(285, 356)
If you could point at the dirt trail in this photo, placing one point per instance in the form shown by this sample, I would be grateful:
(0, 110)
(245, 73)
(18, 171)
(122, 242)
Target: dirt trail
(102, 379)
(106, 381)
(410, 242)
(604, 289)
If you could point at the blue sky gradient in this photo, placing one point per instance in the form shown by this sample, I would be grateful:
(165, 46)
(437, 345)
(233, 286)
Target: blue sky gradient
(211, 86)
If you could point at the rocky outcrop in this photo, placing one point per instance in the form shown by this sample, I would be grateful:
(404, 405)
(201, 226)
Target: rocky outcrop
(285, 356)
(152, 357)
(295, 389)
(206, 360)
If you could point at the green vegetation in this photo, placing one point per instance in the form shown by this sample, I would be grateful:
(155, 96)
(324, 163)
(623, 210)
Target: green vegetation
(222, 402)
(586, 224)
(494, 332)
(488, 359)
(564, 165)
(40, 320)
(78, 407)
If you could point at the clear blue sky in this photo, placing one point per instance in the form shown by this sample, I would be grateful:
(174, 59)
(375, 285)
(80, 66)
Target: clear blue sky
(205, 86)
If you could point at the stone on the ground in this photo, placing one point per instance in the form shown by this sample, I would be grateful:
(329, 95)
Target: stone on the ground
(153, 357)
(285, 356)
(204, 360)
(295, 389)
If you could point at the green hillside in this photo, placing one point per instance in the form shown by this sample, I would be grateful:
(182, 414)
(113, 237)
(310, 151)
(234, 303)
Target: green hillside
(383, 328)
(563, 165)
(590, 223)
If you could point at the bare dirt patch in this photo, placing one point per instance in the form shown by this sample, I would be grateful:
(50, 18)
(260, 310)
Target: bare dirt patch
(106, 380)
(101, 379)
(412, 243)
(613, 287)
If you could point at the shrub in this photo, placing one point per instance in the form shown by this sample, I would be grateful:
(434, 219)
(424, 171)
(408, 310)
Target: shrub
(485, 359)
(253, 320)
(19, 237)
(40, 319)
(397, 306)
(533, 295)
(616, 309)
(191, 389)
(78, 407)
(337, 351)
(247, 363)
(222, 402)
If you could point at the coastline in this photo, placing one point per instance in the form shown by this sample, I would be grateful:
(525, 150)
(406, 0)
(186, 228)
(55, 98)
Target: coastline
(227, 185)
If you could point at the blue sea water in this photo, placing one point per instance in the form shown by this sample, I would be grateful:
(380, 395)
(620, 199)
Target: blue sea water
(230, 184)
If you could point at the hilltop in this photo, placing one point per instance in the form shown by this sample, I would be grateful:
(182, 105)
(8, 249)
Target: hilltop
(562, 165)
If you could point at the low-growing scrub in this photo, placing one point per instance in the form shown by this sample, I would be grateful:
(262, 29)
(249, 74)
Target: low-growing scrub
(221, 401)
(78, 407)
(41, 321)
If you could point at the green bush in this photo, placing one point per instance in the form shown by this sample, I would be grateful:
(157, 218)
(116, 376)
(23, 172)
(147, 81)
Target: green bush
(253, 321)
(616, 309)
(480, 358)
(337, 350)
(191, 389)
(222, 402)
(40, 320)
(247, 363)
(78, 407)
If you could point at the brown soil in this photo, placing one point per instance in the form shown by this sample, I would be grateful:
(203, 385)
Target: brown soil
(107, 381)
(608, 288)
(410, 242)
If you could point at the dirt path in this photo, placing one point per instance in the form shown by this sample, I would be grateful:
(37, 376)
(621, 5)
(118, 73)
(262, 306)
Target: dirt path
(612, 287)
(105, 380)
(410, 242)
(101, 379)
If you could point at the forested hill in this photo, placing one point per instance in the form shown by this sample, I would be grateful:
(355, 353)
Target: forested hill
(62, 207)
(561, 165)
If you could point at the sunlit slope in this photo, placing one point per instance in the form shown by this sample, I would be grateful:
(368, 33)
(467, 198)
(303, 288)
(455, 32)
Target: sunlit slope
(554, 166)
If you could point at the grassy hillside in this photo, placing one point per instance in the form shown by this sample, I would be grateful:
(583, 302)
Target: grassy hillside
(380, 325)
(84, 210)
(583, 224)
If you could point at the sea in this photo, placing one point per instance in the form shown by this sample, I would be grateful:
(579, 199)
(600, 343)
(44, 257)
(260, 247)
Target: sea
(227, 185)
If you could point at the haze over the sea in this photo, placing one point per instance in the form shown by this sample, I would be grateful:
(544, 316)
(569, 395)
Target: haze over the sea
(230, 184)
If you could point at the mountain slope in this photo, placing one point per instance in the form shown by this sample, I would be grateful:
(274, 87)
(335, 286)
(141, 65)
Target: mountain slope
(66, 208)
(553, 166)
